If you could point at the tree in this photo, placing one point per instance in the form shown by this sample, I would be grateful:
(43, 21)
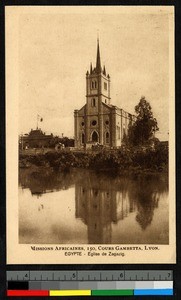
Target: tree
(145, 126)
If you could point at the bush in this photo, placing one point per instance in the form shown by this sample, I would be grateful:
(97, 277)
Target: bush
(123, 159)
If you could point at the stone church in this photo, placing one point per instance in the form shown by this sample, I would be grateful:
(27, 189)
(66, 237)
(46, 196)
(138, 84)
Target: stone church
(98, 121)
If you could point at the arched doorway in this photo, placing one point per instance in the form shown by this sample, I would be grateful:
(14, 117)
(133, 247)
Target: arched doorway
(95, 137)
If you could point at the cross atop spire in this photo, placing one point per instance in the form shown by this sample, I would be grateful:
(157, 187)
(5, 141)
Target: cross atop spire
(98, 61)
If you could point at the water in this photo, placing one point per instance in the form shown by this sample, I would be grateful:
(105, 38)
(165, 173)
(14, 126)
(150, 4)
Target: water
(83, 207)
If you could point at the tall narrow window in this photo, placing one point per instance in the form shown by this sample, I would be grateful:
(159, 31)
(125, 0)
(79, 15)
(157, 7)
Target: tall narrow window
(83, 138)
(93, 102)
(107, 137)
(95, 84)
(92, 84)
(105, 85)
(118, 132)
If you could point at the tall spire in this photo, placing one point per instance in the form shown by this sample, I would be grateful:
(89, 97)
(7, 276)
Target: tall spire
(98, 61)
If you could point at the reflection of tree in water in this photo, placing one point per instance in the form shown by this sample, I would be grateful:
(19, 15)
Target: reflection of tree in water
(146, 192)
(44, 181)
(100, 199)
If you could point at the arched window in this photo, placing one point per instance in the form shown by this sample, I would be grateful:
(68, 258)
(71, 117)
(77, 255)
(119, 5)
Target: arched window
(95, 84)
(92, 84)
(107, 137)
(83, 138)
(95, 137)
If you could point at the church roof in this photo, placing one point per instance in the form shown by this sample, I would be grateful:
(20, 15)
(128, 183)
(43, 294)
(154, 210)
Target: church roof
(106, 104)
(81, 111)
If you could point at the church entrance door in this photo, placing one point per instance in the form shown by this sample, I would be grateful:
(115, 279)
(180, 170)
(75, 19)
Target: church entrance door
(95, 137)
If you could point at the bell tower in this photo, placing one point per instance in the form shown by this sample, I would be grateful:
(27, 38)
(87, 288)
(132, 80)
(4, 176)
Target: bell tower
(97, 92)
(97, 83)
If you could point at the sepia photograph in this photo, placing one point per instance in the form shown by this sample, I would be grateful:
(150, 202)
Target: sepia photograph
(90, 134)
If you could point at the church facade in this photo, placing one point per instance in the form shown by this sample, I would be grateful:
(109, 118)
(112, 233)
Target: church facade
(98, 121)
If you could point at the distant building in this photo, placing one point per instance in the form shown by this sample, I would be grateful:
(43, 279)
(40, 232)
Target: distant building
(98, 121)
(36, 139)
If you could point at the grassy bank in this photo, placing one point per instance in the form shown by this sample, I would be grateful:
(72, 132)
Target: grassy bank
(118, 160)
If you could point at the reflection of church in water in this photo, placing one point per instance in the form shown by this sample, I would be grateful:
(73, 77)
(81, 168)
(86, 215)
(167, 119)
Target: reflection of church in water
(99, 208)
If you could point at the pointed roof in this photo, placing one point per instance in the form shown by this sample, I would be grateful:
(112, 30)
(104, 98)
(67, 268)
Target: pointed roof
(91, 68)
(98, 61)
(104, 71)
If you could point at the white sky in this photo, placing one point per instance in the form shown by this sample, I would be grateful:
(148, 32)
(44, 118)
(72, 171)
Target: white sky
(57, 46)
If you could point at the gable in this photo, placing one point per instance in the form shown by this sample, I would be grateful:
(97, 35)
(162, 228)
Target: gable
(81, 111)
